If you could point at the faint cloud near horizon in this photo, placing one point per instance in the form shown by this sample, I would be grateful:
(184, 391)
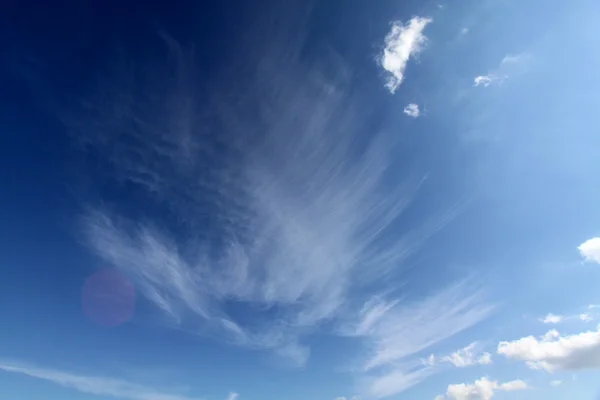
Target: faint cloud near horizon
(95, 385)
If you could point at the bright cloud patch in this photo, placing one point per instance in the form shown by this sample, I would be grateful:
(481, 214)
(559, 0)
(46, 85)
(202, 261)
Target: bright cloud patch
(94, 385)
(412, 110)
(468, 356)
(481, 389)
(590, 250)
(233, 396)
(555, 352)
(402, 42)
(552, 319)
(465, 357)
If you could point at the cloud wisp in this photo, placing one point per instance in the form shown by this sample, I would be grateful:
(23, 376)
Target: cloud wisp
(465, 357)
(398, 331)
(511, 65)
(93, 384)
(403, 42)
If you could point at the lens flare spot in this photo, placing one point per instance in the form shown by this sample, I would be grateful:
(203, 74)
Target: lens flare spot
(108, 298)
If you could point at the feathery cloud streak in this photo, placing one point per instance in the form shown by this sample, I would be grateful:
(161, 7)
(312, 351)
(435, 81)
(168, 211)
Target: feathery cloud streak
(291, 211)
(93, 384)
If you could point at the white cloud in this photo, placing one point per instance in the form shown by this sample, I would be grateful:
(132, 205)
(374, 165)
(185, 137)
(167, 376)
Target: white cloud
(481, 389)
(484, 80)
(555, 352)
(586, 317)
(468, 356)
(552, 319)
(233, 396)
(511, 65)
(93, 384)
(402, 42)
(590, 250)
(465, 357)
(556, 383)
(412, 110)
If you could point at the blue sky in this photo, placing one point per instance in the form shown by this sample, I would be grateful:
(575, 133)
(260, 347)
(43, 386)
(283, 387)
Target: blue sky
(300, 200)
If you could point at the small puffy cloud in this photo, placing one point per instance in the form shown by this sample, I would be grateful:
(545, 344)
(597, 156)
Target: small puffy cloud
(483, 80)
(402, 42)
(233, 396)
(412, 110)
(468, 356)
(590, 250)
(552, 351)
(481, 389)
(556, 383)
(552, 319)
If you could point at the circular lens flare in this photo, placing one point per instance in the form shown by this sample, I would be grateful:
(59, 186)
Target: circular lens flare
(108, 298)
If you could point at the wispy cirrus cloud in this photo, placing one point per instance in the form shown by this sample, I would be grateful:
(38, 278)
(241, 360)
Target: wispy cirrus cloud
(511, 65)
(396, 331)
(402, 42)
(465, 357)
(293, 213)
(95, 385)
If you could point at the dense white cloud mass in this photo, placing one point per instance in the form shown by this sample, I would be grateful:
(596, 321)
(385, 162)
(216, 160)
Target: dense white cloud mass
(93, 385)
(402, 42)
(481, 389)
(412, 110)
(590, 250)
(553, 351)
